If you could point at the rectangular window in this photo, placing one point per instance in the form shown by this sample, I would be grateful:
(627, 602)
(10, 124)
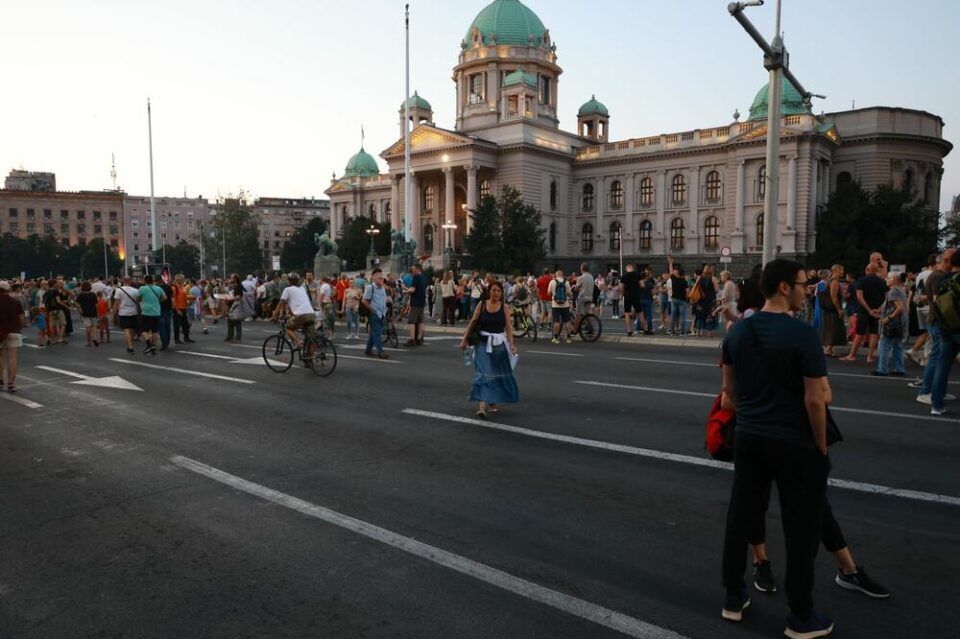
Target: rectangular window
(114, 243)
(48, 229)
(47, 214)
(65, 241)
(276, 244)
(476, 88)
(96, 215)
(113, 216)
(176, 225)
(14, 227)
(13, 212)
(64, 228)
(544, 90)
(190, 225)
(81, 228)
(64, 215)
(30, 214)
(135, 235)
(114, 230)
(81, 215)
(31, 227)
(136, 247)
(135, 224)
(98, 229)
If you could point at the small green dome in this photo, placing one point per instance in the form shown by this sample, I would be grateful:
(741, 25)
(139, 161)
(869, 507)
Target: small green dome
(416, 102)
(511, 22)
(593, 107)
(519, 76)
(362, 165)
(790, 104)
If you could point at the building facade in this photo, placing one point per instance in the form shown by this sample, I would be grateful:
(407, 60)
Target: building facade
(178, 219)
(73, 218)
(281, 217)
(30, 181)
(687, 194)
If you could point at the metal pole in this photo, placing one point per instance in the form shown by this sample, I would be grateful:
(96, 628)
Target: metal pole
(106, 269)
(153, 207)
(223, 245)
(201, 250)
(407, 192)
(771, 199)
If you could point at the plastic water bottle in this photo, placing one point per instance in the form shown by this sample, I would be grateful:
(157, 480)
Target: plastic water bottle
(468, 356)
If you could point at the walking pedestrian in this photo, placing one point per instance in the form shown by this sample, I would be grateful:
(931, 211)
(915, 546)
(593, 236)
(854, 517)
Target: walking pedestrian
(181, 306)
(12, 322)
(774, 375)
(103, 317)
(448, 297)
(235, 314)
(126, 311)
(351, 310)
(832, 331)
(418, 303)
(893, 328)
(151, 298)
(87, 301)
(949, 346)
(374, 301)
(493, 381)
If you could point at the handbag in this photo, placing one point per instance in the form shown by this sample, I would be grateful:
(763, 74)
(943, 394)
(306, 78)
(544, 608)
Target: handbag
(696, 293)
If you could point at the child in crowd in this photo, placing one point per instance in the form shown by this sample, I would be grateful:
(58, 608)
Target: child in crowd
(41, 317)
(103, 317)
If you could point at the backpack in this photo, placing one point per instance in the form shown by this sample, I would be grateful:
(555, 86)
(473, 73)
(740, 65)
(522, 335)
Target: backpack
(560, 291)
(947, 305)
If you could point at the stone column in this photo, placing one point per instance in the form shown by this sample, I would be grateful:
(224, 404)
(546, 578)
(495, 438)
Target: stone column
(449, 202)
(661, 196)
(693, 225)
(737, 237)
(814, 195)
(627, 228)
(471, 196)
(394, 202)
(792, 194)
(416, 232)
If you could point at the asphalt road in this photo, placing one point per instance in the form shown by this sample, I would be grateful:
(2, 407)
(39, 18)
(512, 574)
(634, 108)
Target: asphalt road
(224, 500)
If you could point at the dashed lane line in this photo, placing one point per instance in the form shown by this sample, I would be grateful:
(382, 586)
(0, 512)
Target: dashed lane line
(183, 371)
(874, 489)
(836, 409)
(554, 353)
(630, 626)
(23, 401)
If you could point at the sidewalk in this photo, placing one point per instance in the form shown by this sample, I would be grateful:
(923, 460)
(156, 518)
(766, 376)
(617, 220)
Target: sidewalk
(652, 340)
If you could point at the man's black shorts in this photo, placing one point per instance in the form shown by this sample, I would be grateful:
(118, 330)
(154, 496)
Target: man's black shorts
(149, 323)
(129, 322)
(631, 305)
(867, 324)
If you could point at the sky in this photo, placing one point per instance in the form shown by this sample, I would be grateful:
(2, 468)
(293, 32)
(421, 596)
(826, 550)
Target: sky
(270, 97)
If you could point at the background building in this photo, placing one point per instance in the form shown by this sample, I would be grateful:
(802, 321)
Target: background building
(686, 194)
(30, 181)
(281, 217)
(178, 219)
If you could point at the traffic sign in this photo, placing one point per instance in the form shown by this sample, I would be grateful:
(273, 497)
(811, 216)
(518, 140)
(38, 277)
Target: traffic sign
(725, 259)
(726, 252)
(276, 263)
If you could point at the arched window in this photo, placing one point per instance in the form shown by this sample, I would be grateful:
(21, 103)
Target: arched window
(646, 192)
(372, 212)
(711, 232)
(676, 234)
(679, 190)
(928, 189)
(587, 197)
(428, 199)
(616, 194)
(844, 177)
(615, 236)
(762, 183)
(387, 210)
(484, 189)
(646, 234)
(759, 238)
(428, 238)
(586, 238)
(713, 187)
(553, 237)
(908, 180)
(553, 196)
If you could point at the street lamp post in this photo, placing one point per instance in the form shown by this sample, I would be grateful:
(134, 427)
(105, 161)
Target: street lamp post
(776, 60)
(449, 227)
(373, 231)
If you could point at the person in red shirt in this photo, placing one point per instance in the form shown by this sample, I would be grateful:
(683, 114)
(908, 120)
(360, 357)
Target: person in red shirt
(181, 324)
(543, 291)
(342, 285)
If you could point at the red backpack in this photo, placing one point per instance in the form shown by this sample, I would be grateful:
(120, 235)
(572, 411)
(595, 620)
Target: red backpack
(720, 425)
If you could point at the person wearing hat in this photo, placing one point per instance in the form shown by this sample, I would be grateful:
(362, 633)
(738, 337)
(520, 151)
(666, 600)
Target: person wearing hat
(12, 321)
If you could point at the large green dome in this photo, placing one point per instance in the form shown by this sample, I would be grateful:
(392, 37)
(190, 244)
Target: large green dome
(362, 165)
(791, 102)
(511, 22)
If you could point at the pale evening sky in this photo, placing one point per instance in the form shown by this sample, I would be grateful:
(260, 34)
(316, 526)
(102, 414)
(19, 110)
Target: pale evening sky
(270, 96)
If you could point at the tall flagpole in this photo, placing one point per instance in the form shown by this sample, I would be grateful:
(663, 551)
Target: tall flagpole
(408, 193)
(153, 207)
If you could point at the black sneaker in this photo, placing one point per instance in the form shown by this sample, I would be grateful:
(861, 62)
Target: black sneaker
(810, 628)
(763, 577)
(734, 605)
(860, 581)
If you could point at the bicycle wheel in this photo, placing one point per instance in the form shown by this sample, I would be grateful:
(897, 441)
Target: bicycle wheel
(590, 328)
(324, 356)
(531, 329)
(278, 353)
(390, 333)
(521, 325)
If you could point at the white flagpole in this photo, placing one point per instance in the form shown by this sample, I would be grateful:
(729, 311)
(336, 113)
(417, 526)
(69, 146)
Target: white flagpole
(408, 194)
(153, 207)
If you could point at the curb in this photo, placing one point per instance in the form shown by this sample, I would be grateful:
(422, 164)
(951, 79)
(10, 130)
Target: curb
(702, 342)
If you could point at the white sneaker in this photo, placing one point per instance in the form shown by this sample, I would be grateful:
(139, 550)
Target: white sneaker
(938, 411)
(914, 357)
(925, 399)
(948, 397)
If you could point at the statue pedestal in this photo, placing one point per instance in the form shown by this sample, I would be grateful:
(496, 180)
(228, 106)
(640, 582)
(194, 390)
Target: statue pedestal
(326, 265)
(392, 264)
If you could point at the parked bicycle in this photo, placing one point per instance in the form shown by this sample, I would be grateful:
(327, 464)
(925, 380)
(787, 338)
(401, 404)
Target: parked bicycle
(317, 351)
(523, 324)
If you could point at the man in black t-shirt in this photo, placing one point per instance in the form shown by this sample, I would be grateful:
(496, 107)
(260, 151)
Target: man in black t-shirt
(630, 292)
(775, 378)
(647, 285)
(871, 291)
(166, 315)
(57, 303)
(418, 302)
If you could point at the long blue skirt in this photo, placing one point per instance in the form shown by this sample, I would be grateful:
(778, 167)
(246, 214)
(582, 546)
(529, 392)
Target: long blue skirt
(493, 380)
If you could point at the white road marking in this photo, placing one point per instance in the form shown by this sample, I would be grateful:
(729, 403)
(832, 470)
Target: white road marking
(369, 359)
(20, 400)
(836, 409)
(259, 348)
(683, 459)
(599, 615)
(111, 381)
(30, 345)
(184, 371)
(210, 355)
(554, 353)
(667, 361)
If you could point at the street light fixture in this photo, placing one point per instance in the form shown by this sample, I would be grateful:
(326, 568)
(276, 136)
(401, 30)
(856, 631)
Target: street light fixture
(373, 231)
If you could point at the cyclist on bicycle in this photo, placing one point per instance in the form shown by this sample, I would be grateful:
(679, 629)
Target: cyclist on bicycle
(584, 286)
(296, 299)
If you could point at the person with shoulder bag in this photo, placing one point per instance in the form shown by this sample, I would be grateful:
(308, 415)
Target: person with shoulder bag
(892, 329)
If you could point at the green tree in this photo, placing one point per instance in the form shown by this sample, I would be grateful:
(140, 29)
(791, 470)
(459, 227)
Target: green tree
(507, 235)
(235, 225)
(183, 258)
(299, 252)
(91, 261)
(353, 245)
(857, 222)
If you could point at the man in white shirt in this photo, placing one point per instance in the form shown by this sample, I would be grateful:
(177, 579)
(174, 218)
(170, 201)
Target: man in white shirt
(326, 305)
(126, 308)
(296, 298)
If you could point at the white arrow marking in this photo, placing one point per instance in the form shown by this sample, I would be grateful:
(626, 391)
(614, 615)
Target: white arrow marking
(104, 382)
(257, 361)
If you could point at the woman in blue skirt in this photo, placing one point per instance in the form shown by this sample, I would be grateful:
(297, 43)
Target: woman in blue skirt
(493, 381)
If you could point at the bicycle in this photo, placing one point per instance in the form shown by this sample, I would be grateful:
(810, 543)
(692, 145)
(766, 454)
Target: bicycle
(523, 324)
(589, 327)
(317, 352)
